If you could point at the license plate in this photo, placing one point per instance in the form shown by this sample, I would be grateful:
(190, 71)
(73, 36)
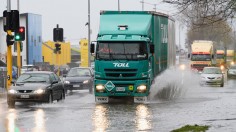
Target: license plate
(76, 85)
(24, 96)
(120, 88)
(101, 99)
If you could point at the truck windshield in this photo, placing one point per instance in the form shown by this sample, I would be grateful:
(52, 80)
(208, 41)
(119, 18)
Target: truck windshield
(121, 51)
(220, 56)
(201, 57)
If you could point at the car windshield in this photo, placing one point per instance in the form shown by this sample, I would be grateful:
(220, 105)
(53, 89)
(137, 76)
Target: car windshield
(33, 77)
(78, 72)
(121, 50)
(211, 71)
(233, 67)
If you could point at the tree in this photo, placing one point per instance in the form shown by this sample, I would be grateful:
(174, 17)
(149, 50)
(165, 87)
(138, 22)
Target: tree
(219, 32)
(205, 12)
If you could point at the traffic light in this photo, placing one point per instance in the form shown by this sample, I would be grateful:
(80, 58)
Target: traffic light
(11, 20)
(58, 34)
(58, 47)
(10, 39)
(20, 34)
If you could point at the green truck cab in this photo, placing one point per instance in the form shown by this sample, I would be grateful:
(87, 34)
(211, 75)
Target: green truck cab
(132, 48)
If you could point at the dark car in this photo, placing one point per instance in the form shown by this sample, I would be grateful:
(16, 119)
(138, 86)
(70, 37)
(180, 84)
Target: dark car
(79, 78)
(36, 86)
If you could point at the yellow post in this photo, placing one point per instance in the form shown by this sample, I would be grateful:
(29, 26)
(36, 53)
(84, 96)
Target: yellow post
(57, 59)
(9, 63)
(18, 58)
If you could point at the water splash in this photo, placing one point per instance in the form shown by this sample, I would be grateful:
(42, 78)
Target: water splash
(172, 84)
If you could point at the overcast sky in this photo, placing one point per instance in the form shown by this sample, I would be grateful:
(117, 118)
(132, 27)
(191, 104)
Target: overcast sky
(72, 15)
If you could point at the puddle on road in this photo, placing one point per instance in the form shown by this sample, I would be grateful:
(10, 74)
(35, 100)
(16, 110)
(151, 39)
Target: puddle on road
(173, 84)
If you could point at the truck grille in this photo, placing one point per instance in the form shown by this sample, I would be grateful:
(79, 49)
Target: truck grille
(120, 72)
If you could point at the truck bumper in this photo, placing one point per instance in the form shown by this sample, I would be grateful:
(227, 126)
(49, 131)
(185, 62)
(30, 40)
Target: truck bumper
(122, 88)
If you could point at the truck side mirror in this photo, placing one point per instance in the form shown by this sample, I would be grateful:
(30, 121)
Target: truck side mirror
(92, 48)
(152, 48)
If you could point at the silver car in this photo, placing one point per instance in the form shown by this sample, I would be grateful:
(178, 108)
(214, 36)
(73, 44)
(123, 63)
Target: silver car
(232, 71)
(212, 75)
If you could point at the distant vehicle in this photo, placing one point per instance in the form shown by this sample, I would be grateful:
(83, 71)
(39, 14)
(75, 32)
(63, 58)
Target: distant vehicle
(26, 68)
(212, 75)
(79, 78)
(230, 57)
(231, 71)
(202, 54)
(220, 55)
(36, 86)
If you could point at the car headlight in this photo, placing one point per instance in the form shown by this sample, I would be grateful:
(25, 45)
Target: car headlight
(39, 91)
(12, 91)
(232, 63)
(142, 88)
(100, 88)
(203, 77)
(85, 82)
(66, 82)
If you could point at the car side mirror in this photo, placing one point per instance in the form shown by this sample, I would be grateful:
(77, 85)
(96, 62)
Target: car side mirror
(152, 48)
(54, 82)
(92, 48)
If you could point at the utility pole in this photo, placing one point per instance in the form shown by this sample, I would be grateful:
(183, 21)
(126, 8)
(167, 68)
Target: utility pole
(18, 47)
(9, 52)
(142, 5)
(118, 5)
(89, 33)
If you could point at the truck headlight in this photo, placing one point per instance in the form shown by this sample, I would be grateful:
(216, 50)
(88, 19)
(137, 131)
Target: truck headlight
(12, 91)
(39, 91)
(142, 88)
(222, 67)
(85, 82)
(100, 88)
(66, 82)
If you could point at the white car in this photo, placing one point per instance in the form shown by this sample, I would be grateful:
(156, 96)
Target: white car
(232, 71)
(212, 75)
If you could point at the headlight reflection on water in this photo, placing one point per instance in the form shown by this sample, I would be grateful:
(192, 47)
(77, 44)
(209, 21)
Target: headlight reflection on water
(39, 121)
(100, 120)
(143, 118)
(10, 123)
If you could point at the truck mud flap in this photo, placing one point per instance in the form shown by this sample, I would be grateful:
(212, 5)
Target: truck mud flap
(101, 99)
(140, 99)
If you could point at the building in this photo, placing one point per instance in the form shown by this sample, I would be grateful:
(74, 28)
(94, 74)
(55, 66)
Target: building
(51, 57)
(32, 46)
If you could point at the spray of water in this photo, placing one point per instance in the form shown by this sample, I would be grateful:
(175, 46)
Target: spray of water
(173, 83)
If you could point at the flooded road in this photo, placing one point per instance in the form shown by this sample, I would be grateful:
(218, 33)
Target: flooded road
(176, 100)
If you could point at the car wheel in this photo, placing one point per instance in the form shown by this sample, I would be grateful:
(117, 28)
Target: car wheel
(90, 90)
(50, 99)
(11, 103)
(222, 84)
(62, 96)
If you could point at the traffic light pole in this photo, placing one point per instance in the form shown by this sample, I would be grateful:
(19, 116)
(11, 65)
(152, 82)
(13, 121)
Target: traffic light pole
(9, 63)
(18, 58)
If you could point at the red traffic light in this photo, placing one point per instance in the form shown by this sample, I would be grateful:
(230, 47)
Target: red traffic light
(21, 29)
